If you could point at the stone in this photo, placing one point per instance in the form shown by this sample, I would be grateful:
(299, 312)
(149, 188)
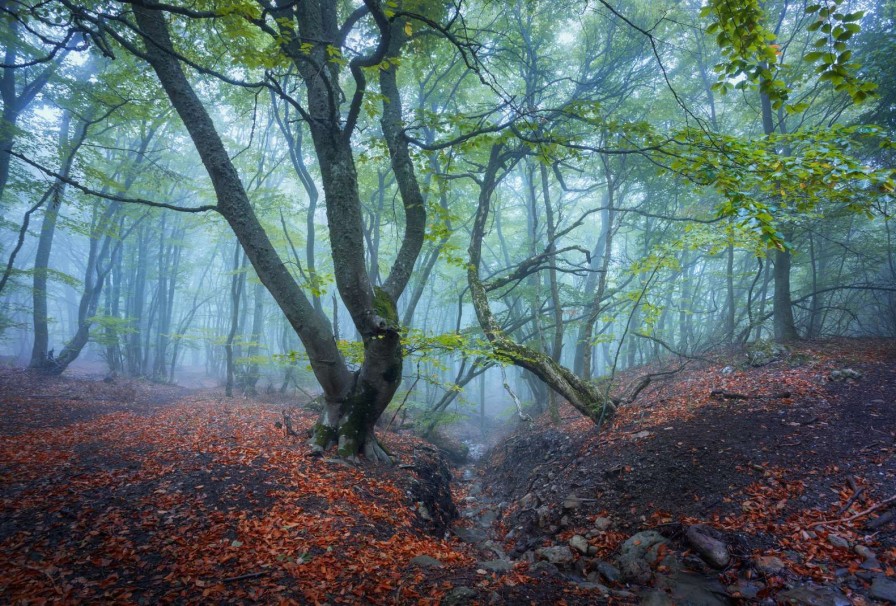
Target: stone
(746, 589)
(637, 553)
(609, 572)
(713, 551)
(572, 502)
(558, 554)
(487, 518)
(592, 550)
(545, 567)
(813, 596)
(865, 552)
(529, 501)
(769, 564)
(883, 589)
(656, 597)
(579, 543)
(496, 565)
(844, 374)
(694, 589)
(459, 596)
(425, 561)
(492, 547)
(470, 535)
(762, 353)
(838, 541)
(544, 516)
(592, 586)
(602, 523)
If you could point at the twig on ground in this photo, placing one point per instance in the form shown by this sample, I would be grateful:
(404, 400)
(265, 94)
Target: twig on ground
(243, 577)
(861, 514)
(856, 493)
(730, 395)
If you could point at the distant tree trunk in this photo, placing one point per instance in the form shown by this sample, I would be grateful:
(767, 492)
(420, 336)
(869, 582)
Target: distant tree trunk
(94, 279)
(603, 252)
(785, 329)
(557, 304)
(68, 148)
(730, 303)
(136, 289)
(254, 350)
(236, 290)
(112, 311)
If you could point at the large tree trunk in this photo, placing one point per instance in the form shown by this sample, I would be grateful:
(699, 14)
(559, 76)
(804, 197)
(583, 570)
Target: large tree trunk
(353, 400)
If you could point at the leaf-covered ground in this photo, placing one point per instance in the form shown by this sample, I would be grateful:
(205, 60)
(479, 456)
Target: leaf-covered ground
(134, 493)
(798, 478)
(128, 492)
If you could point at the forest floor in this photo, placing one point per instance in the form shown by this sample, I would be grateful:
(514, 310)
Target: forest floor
(130, 492)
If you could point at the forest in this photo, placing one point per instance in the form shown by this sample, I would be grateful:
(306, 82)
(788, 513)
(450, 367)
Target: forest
(315, 287)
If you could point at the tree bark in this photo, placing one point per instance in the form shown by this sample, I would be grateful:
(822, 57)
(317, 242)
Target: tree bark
(354, 400)
(583, 396)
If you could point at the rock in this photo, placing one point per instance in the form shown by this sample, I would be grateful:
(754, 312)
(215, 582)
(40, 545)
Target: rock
(565, 521)
(470, 535)
(728, 370)
(637, 553)
(713, 551)
(468, 475)
(592, 550)
(745, 589)
(529, 501)
(545, 567)
(769, 564)
(636, 571)
(423, 511)
(544, 516)
(579, 543)
(865, 552)
(589, 585)
(572, 502)
(487, 518)
(656, 597)
(838, 541)
(494, 548)
(641, 435)
(694, 590)
(496, 565)
(844, 374)
(813, 596)
(762, 353)
(602, 523)
(871, 564)
(459, 596)
(558, 554)
(425, 561)
(883, 589)
(609, 572)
